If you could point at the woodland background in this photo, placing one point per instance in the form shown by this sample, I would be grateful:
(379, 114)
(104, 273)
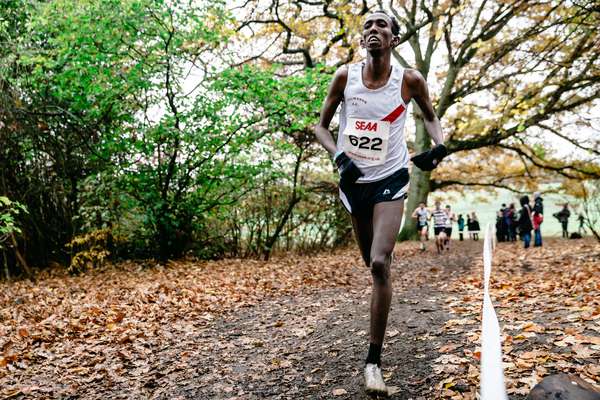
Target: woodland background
(150, 128)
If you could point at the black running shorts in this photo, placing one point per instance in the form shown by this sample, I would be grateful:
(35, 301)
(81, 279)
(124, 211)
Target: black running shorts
(448, 231)
(438, 229)
(360, 198)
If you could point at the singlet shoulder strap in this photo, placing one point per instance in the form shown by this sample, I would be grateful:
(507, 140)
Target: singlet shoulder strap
(353, 72)
(352, 76)
(398, 76)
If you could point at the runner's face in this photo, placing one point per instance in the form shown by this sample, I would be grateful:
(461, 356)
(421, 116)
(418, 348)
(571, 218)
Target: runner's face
(377, 32)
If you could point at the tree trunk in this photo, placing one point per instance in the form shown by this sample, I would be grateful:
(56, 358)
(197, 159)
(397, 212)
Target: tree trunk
(20, 257)
(165, 236)
(270, 242)
(420, 185)
(5, 262)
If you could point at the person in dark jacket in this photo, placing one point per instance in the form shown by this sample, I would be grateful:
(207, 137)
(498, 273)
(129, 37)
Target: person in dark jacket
(563, 217)
(502, 224)
(499, 233)
(473, 224)
(581, 220)
(525, 224)
(512, 226)
(538, 203)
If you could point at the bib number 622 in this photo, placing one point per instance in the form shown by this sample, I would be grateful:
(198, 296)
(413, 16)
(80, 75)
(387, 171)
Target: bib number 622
(365, 142)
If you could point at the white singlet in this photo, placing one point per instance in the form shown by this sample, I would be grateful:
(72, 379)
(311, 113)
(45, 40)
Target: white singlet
(372, 125)
(422, 215)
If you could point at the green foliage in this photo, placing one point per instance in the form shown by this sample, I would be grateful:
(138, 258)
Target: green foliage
(115, 126)
(9, 212)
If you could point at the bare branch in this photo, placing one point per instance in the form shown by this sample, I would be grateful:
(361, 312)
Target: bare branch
(570, 140)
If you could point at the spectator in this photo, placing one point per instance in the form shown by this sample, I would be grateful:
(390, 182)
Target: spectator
(506, 221)
(474, 226)
(525, 225)
(499, 233)
(581, 220)
(512, 223)
(501, 225)
(470, 226)
(538, 203)
(563, 217)
(538, 218)
(461, 226)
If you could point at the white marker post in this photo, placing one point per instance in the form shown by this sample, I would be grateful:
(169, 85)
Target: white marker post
(492, 375)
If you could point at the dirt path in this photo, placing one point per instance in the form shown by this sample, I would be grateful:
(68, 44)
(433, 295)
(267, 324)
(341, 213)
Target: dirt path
(313, 346)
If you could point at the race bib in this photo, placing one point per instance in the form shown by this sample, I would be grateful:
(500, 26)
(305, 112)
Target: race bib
(366, 140)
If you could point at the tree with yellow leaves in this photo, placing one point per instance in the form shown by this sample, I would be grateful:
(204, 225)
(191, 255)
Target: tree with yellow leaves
(513, 81)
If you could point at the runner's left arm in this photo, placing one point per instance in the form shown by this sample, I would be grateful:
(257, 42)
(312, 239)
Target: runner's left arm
(417, 88)
(420, 93)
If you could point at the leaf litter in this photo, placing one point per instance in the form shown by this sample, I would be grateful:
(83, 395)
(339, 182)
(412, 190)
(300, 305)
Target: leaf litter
(296, 326)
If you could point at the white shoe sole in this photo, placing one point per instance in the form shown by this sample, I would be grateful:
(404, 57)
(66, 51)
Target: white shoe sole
(377, 386)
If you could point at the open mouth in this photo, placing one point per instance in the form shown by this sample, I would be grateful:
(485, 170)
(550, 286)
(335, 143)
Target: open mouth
(373, 39)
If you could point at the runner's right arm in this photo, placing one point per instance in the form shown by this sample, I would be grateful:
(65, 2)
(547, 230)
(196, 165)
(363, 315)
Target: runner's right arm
(349, 172)
(333, 99)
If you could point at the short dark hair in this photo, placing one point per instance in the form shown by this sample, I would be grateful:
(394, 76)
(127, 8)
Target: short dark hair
(395, 24)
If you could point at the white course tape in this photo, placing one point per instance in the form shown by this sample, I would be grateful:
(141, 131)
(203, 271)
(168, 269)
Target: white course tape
(492, 376)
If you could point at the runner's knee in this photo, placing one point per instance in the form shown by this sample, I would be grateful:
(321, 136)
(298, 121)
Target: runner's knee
(380, 267)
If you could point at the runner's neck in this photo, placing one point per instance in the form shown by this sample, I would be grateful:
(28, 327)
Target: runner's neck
(377, 71)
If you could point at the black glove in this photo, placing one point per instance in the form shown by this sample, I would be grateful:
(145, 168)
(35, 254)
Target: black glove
(349, 172)
(430, 159)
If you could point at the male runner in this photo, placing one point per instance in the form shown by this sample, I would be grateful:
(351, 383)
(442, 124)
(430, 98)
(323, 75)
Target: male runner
(372, 160)
(421, 213)
(439, 217)
(450, 218)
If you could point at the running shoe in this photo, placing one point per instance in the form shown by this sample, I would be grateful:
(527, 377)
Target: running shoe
(374, 383)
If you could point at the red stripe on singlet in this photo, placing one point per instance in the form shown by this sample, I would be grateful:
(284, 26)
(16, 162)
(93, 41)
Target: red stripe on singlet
(394, 114)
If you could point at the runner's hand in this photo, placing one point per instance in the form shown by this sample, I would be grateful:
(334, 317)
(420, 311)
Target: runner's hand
(349, 172)
(430, 159)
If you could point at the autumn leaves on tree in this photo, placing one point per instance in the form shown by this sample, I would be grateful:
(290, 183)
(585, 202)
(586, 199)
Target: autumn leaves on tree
(507, 79)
